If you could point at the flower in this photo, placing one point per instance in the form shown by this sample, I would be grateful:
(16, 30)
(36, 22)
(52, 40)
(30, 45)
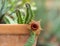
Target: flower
(34, 25)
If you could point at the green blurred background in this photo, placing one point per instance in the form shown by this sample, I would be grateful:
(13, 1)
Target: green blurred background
(49, 13)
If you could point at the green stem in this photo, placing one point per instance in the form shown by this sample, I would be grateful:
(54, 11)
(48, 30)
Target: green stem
(31, 39)
(29, 14)
(19, 17)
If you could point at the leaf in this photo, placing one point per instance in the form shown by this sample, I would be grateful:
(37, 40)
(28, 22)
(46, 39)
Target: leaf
(19, 17)
(4, 8)
(1, 9)
(13, 4)
(1, 17)
(29, 14)
(31, 39)
(8, 20)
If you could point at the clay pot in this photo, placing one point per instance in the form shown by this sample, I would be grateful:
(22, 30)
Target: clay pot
(15, 34)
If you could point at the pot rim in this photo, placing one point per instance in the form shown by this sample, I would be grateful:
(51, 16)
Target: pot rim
(15, 29)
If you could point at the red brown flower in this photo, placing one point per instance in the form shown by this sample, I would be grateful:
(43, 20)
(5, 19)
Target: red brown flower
(34, 25)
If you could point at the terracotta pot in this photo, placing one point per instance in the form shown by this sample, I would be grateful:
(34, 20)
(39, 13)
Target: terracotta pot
(15, 34)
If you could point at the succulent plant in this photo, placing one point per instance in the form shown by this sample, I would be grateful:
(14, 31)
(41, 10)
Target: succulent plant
(3, 8)
(21, 19)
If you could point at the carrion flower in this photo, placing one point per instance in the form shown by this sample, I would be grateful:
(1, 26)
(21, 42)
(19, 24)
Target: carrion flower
(34, 26)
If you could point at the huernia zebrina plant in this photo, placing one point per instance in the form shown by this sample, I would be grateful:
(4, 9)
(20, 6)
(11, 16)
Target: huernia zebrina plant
(33, 26)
